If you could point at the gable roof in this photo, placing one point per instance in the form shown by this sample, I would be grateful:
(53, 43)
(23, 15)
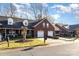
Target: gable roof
(61, 27)
(38, 22)
(32, 24)
(55, 27)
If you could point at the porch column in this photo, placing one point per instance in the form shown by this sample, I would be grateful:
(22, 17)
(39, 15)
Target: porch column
(35, 34)
(5, 33)
(19, 32)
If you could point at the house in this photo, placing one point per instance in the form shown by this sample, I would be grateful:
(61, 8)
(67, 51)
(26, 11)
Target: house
(12, 30)
(35, 28)
(63, 31)
(43, 27)
(74, 30)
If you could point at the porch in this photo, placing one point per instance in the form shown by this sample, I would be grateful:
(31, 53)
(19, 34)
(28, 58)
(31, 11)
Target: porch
(13, 33)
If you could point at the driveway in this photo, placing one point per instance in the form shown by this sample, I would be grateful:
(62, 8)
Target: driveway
(58, 48)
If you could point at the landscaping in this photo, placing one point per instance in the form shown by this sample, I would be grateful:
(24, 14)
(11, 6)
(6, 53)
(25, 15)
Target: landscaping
(15, 44)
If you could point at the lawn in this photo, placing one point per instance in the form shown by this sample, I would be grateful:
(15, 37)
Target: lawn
(13, 44)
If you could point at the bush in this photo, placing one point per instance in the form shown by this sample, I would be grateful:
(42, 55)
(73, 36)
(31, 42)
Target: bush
(28, 36)
(55, 37)
(49, 36)
(17, 37)
(22, 40)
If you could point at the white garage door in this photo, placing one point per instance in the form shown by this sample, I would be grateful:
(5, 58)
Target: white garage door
(50, 33)
(40, 34)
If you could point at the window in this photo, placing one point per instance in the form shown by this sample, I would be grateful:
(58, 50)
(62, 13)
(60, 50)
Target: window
(43, 24)
(10, 21)
(47, 25)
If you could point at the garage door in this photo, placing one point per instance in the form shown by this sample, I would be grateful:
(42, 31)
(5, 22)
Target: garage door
(50, 33)
(40, 34)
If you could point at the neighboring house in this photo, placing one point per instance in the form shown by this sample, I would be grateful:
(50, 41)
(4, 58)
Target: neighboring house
(63, 31)
(35, 28)
(74, 29)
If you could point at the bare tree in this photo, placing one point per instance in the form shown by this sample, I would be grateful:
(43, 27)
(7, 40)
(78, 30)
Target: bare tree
(1, 9)
(39, 10)
(25, 11)
(10, 10)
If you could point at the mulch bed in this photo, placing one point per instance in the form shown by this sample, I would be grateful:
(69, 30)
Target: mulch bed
(22, 41)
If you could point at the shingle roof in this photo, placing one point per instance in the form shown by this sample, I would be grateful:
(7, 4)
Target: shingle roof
(18, 24)
(61, 27)
(15, 25)
(56, 27)
(30, 26)
(73, 27)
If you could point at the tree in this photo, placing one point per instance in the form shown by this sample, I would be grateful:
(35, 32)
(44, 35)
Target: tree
(0, 10)
(51, 19)
(39, 11)
(24, 28)
(24, 11)
(10, 10)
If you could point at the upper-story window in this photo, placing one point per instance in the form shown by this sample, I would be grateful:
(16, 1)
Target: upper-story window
(47, 25)
(43, 24)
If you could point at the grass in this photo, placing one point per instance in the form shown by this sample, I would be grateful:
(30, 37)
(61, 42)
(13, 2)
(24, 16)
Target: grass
(34, 42)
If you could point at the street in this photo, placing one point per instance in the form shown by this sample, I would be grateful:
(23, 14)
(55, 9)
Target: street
(67, 48)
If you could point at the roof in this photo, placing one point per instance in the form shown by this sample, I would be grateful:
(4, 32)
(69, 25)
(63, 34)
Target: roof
(61, 27)
(73, 27)
(17, 22)
(55, 27)
(61, 24)
(15, 19)
(4, 24)
(15, 25)
(31, 25)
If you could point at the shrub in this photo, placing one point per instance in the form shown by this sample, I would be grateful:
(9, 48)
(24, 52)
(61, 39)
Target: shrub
(55, 37)
(17, 37)
(28, 36)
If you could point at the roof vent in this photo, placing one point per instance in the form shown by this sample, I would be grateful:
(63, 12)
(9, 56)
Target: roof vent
(25, 23)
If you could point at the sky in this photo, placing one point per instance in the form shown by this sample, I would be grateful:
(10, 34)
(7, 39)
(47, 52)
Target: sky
(66, 13)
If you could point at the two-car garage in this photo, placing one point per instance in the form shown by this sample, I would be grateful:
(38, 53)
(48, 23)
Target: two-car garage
(42, 28)
(41, 33)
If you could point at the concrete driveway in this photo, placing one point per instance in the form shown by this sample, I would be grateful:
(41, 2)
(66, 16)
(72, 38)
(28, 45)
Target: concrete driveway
(55, 48)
